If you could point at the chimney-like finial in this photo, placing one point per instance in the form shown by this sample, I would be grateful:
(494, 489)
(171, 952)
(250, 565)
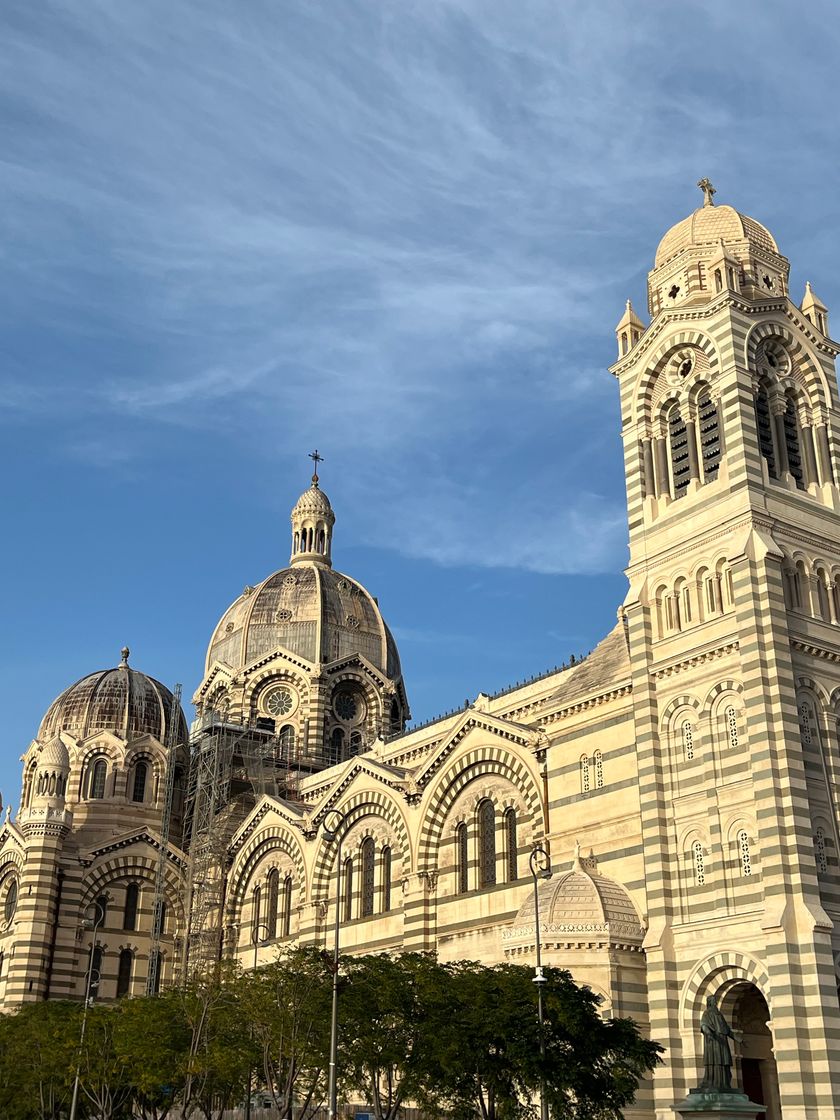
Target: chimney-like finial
(124, 652)
(708, 190)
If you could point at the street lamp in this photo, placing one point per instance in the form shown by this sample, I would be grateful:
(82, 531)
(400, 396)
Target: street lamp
(332, 832)
(260, 935)
(92, 923)
(539, 862)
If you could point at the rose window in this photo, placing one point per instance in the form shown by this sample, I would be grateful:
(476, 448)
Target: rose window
(279, 701)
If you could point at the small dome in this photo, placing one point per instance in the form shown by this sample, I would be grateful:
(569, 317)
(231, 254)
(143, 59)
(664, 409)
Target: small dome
(310, 610)
(121, 700)
(578, 906)
(54, 756)
(313, 501)
(710, 224)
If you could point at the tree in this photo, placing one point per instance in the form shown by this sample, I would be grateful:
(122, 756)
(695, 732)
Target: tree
(38, 1051)
(287, 1004)
(152, 1040)
(103, 1076)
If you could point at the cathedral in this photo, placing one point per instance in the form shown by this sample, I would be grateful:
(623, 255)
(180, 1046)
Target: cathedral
(684, 777)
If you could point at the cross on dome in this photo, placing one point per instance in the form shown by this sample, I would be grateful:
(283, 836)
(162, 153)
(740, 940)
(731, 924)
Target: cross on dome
(708, 190)
(316, 459)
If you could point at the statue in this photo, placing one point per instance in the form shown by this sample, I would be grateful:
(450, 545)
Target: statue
(717, 1057)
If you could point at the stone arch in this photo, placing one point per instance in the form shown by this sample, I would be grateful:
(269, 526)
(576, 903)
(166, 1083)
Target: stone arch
(365, 803)
(721, 692)
(494, 761)
(676, 705)
(270, 675)
(805, 367)
(141, 868)
(275, 838)
(653, 383)
(715, 974)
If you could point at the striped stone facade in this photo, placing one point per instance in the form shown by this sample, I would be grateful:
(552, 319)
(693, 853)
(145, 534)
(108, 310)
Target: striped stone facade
(684, 776)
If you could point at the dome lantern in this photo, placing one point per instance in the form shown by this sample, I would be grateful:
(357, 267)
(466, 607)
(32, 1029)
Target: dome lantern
(312, 524)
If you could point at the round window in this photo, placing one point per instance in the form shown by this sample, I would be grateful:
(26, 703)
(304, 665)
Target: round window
(279, 701)
(349, 707)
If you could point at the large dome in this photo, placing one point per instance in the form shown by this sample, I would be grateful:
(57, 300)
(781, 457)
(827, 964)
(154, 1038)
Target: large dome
(121, 700)
(310, 610)
(710, 224)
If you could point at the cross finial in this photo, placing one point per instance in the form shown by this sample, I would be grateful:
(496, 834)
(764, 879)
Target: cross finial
(316, 459)
(708, 190)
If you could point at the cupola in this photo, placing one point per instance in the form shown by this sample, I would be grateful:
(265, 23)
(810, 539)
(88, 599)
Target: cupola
(312, 524)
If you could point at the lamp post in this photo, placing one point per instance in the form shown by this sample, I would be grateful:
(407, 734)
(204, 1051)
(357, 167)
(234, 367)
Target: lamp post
(259, 936)
(332, 832)
(539, 862)
(92, 924)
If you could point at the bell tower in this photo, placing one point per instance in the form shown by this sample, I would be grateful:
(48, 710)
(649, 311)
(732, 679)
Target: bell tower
(731, 421)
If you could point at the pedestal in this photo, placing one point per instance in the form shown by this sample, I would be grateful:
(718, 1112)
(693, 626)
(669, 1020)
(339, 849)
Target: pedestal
(718, 1106)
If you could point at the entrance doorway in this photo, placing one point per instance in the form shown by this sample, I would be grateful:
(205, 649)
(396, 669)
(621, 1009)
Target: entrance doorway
(746, 1010)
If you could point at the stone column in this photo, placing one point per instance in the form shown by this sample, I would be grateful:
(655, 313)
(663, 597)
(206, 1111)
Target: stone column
(811, 474)
(691, 442)
(777, 410)
(824, 454)
(647, 467)
(420, 910)
(663, 480)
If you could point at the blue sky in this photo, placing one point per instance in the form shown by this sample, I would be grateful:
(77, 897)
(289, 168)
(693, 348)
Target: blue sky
(400, 232)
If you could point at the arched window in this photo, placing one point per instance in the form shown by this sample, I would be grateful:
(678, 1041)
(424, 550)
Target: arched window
(462, 858)
(584, 773)
(678, 446)
(698, 860)
(287, 739)
(96, 779)
(511, 845)
(100, 911)
(598, 759)
(486, 843)
(744, 852)
(792, 442)
(132, 896)
(138, 790)
(368, 868)
(348, 889)
(10, 902)
(256, 909)
(688, 739)
(764, 424)
(2, 961)
(386, 880)
(336, 749)
(819, 850)
(355, 742)
(273, 886)
(96, 960)
(396, 721)
(731, 717)
(709, 431)
(287, 906)
(124, 972)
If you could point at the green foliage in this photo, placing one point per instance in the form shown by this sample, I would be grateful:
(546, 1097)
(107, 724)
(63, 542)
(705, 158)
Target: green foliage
(459, 1039)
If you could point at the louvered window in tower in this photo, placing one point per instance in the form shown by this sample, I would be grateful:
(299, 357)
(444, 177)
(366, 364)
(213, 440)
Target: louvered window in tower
(794, 451)
(368, 866)
(678, 441)
(764, 423)
(486, 843)
(707, 415)
(462, 859)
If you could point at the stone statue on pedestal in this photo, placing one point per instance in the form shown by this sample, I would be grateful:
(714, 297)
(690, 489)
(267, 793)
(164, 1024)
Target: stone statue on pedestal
(717, 1057)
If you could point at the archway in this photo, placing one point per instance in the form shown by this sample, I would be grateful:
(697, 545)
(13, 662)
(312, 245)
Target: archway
(746, 1011)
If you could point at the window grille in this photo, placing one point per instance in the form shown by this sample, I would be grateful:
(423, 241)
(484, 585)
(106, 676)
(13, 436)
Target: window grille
(348, 889)
(794, 453)
(98, 774)
(462, 858)
(744, 852)
(138, 792)
(709, 424)
(511, 843)
(273, 885)
(584, 774)
(368, 867)
(699, 863)
(287, 906)
(732, 726)
(599, 769)
(486, 843)
(124, 972)
(386, 880)
(764, 423)
(805, 724)
(819, 846)
(132, 895)
(678, 440)
(688, 739)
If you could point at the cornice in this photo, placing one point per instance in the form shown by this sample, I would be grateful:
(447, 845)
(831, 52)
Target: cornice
(816, 651)
(695, 659)
(592, 701)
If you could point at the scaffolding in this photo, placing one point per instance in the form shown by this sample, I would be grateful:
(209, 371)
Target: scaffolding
(159, 900)
(231, 768)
